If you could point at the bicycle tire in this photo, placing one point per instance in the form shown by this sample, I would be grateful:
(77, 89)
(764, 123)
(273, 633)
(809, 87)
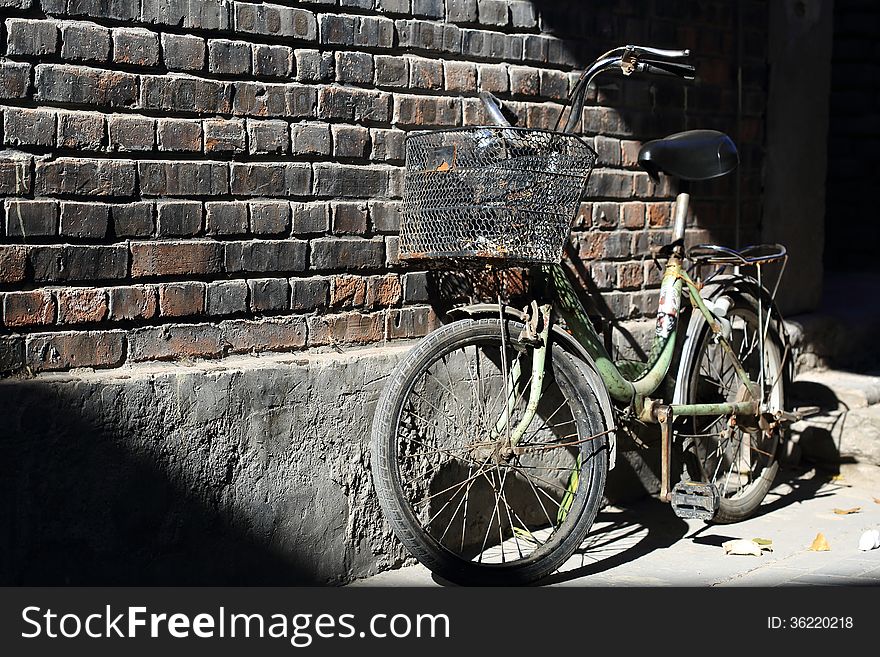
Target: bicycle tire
(739, 499)
(396, 437)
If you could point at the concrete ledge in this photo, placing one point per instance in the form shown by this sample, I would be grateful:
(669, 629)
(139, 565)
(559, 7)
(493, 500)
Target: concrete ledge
(250, 470)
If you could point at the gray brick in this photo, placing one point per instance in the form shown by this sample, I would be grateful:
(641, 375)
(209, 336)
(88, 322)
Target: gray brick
(81, 130)
(273, 61)
(391, 70)
(85, 41)
(337, 253)
(224, 136)
(356, 105)
(135, 46)
(347, 181)
(350, 141)
(269, 217)
(259, 99)
(393, 6)
(178, 218)
(25, 219)
(354, 67)
(267, 256)
(183, 178)
(133, 219)
(77, 84)
(310, 218)
(229, 57)
(269, 294)
(428, 8)
(492, 12)
(131, 133)
(522, 14)
(28, 127)
(275, 20)
(226, 298)
(270, 179)
(185, 94)
(309, 293)
(31, 37)
(425, 73)
(415, 287)
(385, 216)
(310, 139)
(14, 79)
(313, 65)
(56, 264)
(85, 177)
(16, 176)
(461, 11)
(179, 135)
(120, 10)
(183, 52)
(213, 15)
(226, 218)
(268, 137)
(84, 220)
(388, 145)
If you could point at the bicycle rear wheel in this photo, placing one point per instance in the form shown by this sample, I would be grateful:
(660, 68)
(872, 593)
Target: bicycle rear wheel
(466, 504)
(739, 458)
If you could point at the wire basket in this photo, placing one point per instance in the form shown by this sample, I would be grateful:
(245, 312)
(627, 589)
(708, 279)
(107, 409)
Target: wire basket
(507, 194)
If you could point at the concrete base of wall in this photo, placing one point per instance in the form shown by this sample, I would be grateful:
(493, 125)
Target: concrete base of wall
(242, 471)
(249, 470)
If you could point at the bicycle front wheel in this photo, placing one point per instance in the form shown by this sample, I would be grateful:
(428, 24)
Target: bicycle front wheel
(467, 503)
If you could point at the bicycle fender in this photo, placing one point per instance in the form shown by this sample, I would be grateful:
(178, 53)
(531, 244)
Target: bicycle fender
(718, 286)
(585, 361)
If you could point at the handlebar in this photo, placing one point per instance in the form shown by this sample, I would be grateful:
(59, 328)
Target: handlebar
(628, 60)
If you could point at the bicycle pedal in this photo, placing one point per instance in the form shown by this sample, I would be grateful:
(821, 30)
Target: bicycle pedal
(692, 499)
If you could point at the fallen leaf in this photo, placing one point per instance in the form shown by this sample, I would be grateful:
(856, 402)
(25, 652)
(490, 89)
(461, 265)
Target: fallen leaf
(763, 541)
(877, 500)
(846, 512)
(820, 544)
(742, 546)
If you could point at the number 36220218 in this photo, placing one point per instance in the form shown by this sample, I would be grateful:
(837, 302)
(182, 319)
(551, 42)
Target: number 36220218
(810, 623)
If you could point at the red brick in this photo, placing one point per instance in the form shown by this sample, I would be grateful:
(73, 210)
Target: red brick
(181, 299)
(28, 308)
(348, 328)
(383, 291)
(658, 215)
(633, 215)
(630, 275)
(12, 264)
(175, 258)
(134, 302)
(348, 292)
(592, 245)
(81, 305)
(63, 351)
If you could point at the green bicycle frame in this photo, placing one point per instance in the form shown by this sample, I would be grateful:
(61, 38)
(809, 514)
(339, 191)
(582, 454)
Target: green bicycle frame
(632, 392)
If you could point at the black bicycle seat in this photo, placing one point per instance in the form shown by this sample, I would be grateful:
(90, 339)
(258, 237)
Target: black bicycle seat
(691, 155)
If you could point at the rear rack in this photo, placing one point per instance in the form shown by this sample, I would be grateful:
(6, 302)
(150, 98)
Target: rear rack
(757, 254)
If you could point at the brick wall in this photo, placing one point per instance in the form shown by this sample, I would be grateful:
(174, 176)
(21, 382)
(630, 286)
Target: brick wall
(185, 178)
(853, 139)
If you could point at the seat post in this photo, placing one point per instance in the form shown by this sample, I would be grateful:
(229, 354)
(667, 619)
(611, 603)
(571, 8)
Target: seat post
(679, 215)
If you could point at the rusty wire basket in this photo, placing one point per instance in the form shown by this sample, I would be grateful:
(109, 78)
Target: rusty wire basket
(504, 194)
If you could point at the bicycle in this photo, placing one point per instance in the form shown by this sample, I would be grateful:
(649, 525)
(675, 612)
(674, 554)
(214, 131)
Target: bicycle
(491, 443)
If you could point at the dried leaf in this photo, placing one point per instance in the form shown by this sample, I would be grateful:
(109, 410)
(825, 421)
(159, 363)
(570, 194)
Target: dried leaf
(846, 512)
(820, 544)
(763, 541)
(877, 500)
